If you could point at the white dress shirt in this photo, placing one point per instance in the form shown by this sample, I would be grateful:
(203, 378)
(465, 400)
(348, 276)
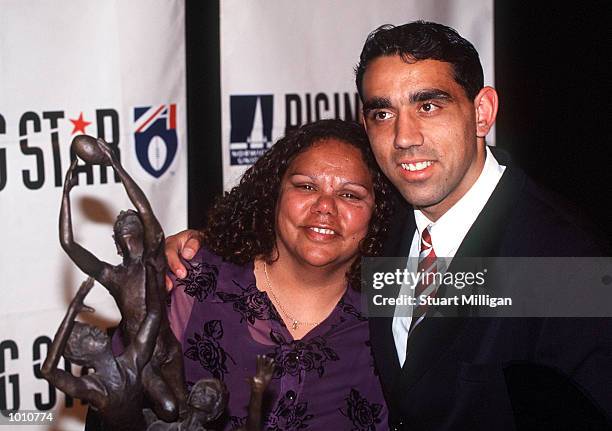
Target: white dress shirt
(447, 234)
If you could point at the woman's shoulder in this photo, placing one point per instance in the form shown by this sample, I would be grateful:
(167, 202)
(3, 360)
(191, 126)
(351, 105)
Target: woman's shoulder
(208, 276)
(208, 267)
(206, 255)
(208, 258)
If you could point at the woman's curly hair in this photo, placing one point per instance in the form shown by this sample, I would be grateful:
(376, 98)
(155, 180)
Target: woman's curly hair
(241, 225)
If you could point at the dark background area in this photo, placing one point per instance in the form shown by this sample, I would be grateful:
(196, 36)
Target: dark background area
(205, 177)
(552, 71)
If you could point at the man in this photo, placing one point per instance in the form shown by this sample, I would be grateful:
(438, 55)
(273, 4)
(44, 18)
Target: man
(427, 113)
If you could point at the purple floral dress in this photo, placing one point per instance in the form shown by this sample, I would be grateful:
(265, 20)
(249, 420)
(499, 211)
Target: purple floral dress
(325, 381)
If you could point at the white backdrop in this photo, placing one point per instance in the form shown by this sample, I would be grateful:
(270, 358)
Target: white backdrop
(280, 57)
(108, 67)
(115, 64)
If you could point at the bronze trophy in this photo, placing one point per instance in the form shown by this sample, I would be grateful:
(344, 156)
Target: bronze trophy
(150, 370)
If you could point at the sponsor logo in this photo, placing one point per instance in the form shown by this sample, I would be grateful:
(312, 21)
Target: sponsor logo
(251, 127)
(12, 395)
(155, 137)
(41, 155)
(251, 118)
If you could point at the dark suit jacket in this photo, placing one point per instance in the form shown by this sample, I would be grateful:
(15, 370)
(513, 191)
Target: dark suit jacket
(501, 373)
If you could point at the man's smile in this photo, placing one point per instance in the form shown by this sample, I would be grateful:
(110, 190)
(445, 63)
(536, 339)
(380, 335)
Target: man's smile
(416, 166)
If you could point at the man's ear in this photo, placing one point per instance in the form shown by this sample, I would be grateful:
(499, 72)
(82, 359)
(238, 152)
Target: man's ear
(485, 104)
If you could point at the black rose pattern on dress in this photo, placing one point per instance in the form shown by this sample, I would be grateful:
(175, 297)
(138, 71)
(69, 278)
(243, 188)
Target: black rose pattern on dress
(205, 348)
(304, 356)
(288, 414)
(201, 280)
(363, 414)
(350, 309)
(372, 361)
(237, 422)
(251, 304)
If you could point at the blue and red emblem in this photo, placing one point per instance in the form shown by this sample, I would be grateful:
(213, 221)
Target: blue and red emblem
(155, 137)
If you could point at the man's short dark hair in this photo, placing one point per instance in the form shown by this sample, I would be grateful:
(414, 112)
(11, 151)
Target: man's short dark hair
(421, 40)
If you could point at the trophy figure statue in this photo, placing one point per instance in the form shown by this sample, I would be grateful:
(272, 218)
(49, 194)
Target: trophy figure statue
(140, 241)
(149, 371)
(114, 389)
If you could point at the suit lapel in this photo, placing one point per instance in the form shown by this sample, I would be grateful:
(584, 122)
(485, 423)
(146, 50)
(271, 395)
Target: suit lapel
(401, 231)
(435, 335)
(397, 243)
(486, 234)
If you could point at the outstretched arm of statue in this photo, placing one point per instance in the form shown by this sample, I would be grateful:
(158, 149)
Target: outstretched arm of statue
(259, 383)
(140, 350)
(84, 259)
(153, 233)
(77, 387)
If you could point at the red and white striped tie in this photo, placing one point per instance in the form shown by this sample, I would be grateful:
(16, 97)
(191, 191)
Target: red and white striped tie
(426, 287)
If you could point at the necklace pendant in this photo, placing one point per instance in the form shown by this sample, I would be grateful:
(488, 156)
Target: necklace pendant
(295, 324)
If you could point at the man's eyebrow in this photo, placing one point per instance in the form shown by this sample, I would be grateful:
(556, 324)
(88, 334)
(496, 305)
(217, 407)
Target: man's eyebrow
(376, 103)
(429, 94)
(416, 97)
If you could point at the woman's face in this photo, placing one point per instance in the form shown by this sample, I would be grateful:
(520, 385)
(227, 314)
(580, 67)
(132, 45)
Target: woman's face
(325, 204)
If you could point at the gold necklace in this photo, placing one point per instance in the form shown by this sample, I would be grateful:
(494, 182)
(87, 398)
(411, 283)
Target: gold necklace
(296, 322)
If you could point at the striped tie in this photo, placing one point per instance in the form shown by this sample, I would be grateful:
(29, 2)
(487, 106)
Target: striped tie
(426, 287)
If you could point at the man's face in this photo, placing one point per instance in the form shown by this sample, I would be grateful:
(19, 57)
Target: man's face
(422, 128)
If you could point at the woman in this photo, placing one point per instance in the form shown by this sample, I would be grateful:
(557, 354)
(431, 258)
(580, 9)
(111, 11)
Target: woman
(278, 275)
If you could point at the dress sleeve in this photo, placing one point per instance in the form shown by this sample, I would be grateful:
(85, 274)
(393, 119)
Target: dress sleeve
(181, 306)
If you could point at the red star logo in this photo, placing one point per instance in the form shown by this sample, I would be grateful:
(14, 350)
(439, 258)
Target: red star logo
(79, 124)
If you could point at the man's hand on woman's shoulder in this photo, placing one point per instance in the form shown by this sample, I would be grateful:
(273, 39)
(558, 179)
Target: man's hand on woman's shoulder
(184, 244)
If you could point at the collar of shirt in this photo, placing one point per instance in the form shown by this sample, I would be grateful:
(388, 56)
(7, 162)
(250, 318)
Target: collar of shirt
(448, 231)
